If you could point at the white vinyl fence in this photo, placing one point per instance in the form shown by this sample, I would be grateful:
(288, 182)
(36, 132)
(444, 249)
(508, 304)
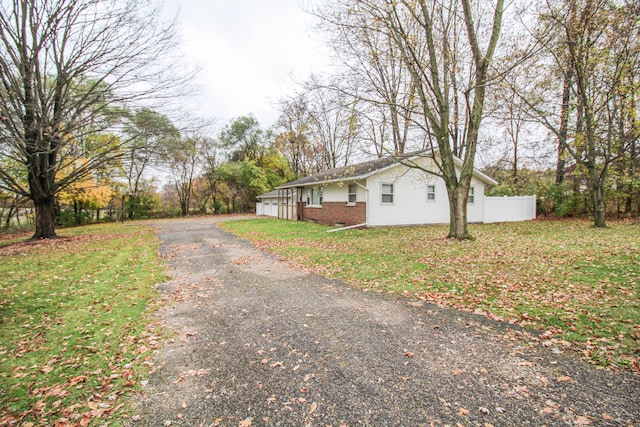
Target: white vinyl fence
(507, 209)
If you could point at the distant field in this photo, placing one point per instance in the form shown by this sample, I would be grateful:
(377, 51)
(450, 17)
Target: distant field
(74, 340)
(578, 285)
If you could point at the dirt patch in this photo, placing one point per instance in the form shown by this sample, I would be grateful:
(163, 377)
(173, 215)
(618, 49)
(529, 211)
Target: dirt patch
(258, 342)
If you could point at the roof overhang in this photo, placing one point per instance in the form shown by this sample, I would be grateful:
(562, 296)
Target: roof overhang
(400, 161)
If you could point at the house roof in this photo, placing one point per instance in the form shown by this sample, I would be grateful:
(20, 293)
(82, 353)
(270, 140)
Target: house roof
(270, 194)
(366, 169)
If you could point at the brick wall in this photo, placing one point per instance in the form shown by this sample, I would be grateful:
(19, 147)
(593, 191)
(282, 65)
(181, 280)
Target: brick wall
(332, 213)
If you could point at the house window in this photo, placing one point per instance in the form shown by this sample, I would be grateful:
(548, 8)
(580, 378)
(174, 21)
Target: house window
(387, 193)
(314, 197)
(471, 198)
(352, 193)
(431, 193)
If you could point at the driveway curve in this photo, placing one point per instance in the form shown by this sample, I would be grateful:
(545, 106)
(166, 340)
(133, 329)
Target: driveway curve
(257, 342)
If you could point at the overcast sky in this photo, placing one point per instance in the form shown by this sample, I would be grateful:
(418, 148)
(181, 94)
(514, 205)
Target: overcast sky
(250, 52)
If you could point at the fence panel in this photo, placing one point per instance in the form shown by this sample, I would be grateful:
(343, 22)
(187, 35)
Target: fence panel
(508, 209)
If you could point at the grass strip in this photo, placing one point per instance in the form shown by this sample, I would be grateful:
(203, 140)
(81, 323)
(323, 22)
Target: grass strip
(75, 335)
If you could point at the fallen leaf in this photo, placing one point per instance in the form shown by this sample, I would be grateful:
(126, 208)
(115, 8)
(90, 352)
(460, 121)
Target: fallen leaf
(462, 411)
(458, 371)
(409, 354)
(245, 423)
(564, 379)
(313, 408)
(583, 421)
(77, 380)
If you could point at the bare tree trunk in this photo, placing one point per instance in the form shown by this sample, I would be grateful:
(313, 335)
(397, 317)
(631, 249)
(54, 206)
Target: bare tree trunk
(598, 198)
(564, 122)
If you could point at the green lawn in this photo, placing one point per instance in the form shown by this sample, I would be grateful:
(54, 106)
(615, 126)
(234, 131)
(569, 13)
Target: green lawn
(578, 285)
(74, 327)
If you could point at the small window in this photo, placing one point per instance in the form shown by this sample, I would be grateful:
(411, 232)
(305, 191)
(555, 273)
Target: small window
(387, 193)
(314, 197)
(431, 193)
(471, 198)
(352, 193)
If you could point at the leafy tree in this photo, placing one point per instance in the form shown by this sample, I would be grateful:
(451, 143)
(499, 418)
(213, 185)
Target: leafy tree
(244, 137)
(591, 49)
(64, 65)
(183, 160)
(87, 193)
(148, 133)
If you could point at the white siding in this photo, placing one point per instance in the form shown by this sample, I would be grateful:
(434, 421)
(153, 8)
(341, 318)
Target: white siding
(338, 192)
(410, 205)
(475, 210)
(335, 193)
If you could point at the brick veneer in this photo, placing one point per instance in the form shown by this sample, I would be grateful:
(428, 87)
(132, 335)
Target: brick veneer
(332, 213)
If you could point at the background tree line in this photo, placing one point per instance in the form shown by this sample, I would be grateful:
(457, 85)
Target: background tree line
(541, 94)
(558, 99)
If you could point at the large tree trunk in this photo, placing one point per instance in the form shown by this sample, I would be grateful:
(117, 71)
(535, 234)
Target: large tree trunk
(460, 226)
(42, 189)
(458, 195)
(45, 224)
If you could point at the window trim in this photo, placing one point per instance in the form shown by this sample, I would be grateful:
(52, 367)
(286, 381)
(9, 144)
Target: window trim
(310, 197)
(383, 194)
(431, 193)
(354, 194)
(471, 197)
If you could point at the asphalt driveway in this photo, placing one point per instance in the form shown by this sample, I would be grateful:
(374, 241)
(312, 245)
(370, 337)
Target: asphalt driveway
(258, 342)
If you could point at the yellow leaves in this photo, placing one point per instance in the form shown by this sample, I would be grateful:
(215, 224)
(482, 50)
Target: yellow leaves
(88, 190)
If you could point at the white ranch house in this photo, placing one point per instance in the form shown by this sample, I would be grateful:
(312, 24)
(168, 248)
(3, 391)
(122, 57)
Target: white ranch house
(387, 192)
